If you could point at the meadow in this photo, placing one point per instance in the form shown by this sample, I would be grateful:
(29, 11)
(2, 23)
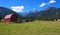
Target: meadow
(31, 28)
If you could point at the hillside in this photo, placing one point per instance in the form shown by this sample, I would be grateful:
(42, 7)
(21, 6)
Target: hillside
(50, 13)
(4, 11)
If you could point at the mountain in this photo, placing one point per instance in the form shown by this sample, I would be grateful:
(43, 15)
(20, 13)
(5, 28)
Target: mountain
(33, 13)
(22, 14)
(4, 11)
(50, 13)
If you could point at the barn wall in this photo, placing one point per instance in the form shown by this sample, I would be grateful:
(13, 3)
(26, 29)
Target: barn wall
(14, 18)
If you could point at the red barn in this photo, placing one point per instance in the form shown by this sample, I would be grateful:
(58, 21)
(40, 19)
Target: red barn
(10, 18)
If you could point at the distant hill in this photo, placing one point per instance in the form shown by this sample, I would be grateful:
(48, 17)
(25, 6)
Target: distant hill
(50, 13)
(33, 13)
(47, 14)
(4, 11)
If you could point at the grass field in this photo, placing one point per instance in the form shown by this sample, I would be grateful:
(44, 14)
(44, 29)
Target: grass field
(31, 28)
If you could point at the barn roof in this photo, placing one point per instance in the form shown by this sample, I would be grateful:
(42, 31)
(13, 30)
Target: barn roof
(8, 16)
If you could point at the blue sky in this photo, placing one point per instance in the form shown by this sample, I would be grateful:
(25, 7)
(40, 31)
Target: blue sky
(29, 5)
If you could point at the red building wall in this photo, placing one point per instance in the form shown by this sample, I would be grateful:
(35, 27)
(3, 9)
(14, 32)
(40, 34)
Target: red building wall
(11, 18)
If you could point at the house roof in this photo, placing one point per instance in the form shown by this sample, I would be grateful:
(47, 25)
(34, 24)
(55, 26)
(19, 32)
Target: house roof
(8, 16)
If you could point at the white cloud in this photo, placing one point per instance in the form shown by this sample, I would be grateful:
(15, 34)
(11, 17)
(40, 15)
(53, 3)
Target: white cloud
(43, 4)
(52, 1)
(17, 8)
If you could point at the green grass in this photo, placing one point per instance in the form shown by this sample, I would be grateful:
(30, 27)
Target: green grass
(31, 28)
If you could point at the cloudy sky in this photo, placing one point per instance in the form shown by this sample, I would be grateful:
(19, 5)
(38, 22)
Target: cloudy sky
(29, 5)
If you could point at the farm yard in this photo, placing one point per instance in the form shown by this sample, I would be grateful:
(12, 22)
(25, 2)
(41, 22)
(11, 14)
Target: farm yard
(31, 28)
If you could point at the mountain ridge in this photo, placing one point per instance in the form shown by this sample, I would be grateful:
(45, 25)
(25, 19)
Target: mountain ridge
(4, 11)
